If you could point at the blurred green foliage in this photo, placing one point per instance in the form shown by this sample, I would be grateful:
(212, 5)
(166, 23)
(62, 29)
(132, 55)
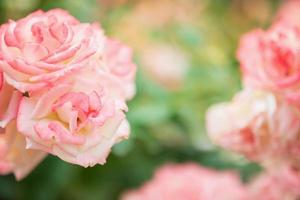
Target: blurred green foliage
(167, 125)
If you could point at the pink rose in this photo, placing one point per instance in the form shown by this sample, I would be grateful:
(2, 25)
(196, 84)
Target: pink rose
(190, 182)
(277, 184)
(269, 60)
(14, 157)
(74, 82)
(257, 124)
(78, 120)
(45, 47)
(118, 58)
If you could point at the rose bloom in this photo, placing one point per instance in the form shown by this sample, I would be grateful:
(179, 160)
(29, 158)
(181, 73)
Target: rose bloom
(191, 182)
(14, 157)
(79, 120)
(75, 83)
(257, 124)
(44, 47)
(269, 60)
(277, 184)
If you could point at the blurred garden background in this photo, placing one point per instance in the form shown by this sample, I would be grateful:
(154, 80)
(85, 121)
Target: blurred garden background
(185, 52)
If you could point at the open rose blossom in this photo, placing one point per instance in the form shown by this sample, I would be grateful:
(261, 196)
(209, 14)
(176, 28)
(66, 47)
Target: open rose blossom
(77, 121)
(270, 60)
(257, 124)
(45, 47)
(66, 84)
(190, 182)
(277, 184)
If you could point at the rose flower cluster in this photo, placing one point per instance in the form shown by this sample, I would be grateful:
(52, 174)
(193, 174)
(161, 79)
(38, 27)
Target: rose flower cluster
(189, 181)
(262, 122)
(63, 91)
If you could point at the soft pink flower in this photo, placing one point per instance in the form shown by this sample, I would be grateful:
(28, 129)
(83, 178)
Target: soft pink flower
(257, 124)
(270, 60)
(118, 59)
(46, 47)
(75, 82)
(78, 120)
(190, 182)
(277, 184)
(14, 157)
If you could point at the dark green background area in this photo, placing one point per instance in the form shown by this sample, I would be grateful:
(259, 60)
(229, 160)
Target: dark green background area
(167, 125)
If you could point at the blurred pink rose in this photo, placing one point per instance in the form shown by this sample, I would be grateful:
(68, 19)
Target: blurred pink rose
(289, 12)
(189, 182)
(278, 184)
(166, 65)
(118, 58)
(14, 157)
(79, 121)
(257, 124)
(270, 60)
(45, 47)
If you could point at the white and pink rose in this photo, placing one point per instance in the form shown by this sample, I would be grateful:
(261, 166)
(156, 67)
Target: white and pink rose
(77, 121)
(258, 124)
(45, 47)
(63, 91)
